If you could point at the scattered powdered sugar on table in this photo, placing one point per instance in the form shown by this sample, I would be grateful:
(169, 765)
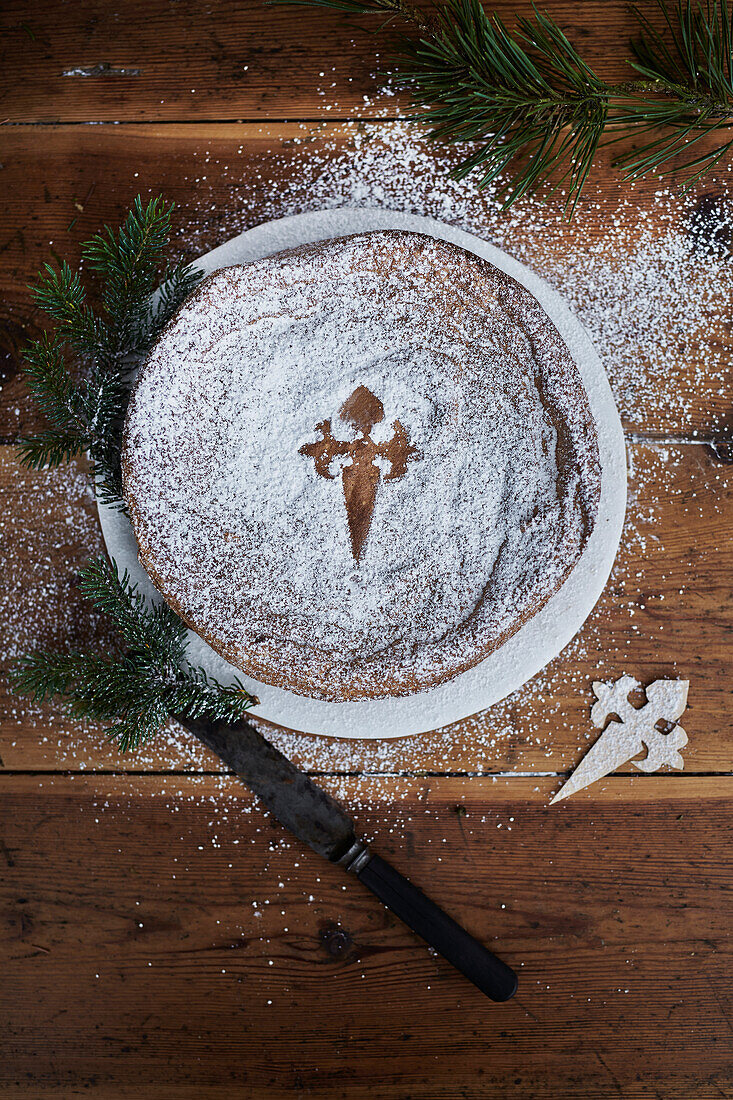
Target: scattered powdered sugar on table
(520, 734)
(650, 299)
(653, 285)
(48, 530)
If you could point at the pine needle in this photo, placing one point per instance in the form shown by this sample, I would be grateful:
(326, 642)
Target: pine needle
(689, 72)
(79, 377)
(536, 114)
(79, 374)
(134, 690)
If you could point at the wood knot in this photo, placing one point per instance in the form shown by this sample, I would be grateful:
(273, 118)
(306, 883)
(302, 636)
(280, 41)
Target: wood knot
(336, 940)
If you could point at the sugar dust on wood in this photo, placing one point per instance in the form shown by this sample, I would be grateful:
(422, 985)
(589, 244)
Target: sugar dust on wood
(656, 305)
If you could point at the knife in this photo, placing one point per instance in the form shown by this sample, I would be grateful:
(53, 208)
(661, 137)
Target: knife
(317, 819)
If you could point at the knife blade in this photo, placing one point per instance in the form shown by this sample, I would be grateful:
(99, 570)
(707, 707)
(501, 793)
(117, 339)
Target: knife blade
(317, 819)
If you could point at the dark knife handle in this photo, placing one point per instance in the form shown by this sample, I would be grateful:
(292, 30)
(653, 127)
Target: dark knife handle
(493, 977)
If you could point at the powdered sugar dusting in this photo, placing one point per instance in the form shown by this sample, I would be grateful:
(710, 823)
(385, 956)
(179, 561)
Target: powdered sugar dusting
(649, 299)
(652, 292)
(250, 542)
(48, 530)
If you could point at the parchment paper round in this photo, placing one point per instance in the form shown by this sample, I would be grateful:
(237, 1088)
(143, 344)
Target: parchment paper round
(539, 640)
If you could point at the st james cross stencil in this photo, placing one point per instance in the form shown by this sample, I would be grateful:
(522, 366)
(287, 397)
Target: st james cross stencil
(360, 479)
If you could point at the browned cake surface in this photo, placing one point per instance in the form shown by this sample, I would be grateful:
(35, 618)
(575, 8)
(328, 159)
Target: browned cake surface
(356, 468)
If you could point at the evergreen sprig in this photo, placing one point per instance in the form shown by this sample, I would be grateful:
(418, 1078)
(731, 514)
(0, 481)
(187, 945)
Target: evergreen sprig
(530, 95)
(134, 690)
(79, 374)
(692, 66)
(535, 111)
(61, 295)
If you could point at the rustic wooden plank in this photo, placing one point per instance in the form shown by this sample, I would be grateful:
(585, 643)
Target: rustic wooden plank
(175, 942)
(227, 59)
(666, 612)
(48, 530)
(654, 295)
(141, 955)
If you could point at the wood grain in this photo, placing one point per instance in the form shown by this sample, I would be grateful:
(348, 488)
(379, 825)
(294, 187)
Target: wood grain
(61, 184)
(143, 958)
(666, 612)
(227, 59)
(159, 935)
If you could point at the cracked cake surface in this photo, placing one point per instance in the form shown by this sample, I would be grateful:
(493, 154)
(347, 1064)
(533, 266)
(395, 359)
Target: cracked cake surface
(357, 467)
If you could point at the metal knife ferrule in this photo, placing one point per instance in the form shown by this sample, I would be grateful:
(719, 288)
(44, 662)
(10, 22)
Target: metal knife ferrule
(356, 857)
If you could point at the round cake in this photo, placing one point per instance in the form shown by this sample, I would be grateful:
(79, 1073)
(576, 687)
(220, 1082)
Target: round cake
(357, 467)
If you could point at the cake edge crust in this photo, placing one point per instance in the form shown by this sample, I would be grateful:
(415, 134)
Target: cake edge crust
(336, 680)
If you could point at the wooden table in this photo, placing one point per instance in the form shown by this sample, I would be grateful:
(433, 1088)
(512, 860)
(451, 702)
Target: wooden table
(161, 936)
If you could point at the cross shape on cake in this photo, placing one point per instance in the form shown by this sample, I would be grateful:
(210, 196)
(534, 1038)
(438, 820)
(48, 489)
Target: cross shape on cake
(360, 476)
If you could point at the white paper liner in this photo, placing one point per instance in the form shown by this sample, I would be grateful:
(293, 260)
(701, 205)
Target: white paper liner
(546, 633)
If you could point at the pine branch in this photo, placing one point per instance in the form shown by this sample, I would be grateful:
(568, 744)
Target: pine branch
(152, 629)
(49, 382)
(86, 408)
(178, 283)
(50, 448)
(128, 263)
(690, 70)
(57, 395)
(132, 691)
(529, 96)
(535, 112)
(61, 295)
